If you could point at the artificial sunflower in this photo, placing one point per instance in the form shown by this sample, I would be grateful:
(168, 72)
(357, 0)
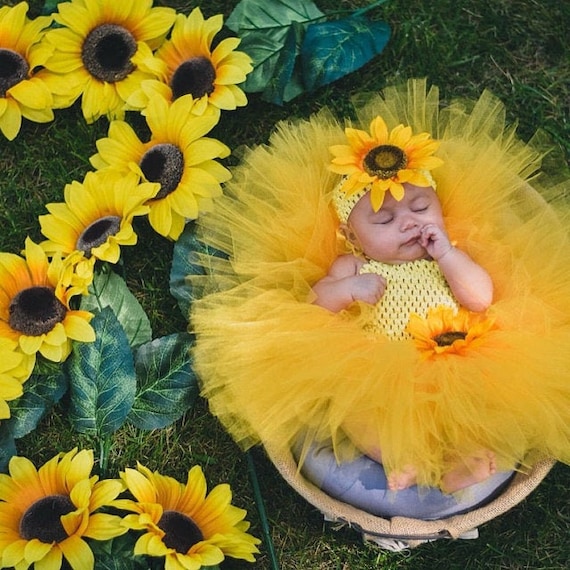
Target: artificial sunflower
(182, 524)
(103, 51)
(15, 369)
(178, 156)
(97, 215)
(34, 303)
(46, 514)
(192, 67)
(444, 331)
(384, 160)
(23, 91)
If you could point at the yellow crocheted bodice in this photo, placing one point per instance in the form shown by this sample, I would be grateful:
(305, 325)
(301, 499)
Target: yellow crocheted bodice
(411, 287)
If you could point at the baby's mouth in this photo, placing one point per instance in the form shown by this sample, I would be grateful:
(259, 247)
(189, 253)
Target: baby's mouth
(412, 241)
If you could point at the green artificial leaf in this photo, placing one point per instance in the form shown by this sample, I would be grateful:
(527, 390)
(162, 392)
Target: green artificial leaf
(7, 446)
(331, 50)
(117, 553)
(41, 392)
(50, 6)
(263, 27)
(110, 290)
(167, 384)
(286, 82)
(102, 378)
(186, 260)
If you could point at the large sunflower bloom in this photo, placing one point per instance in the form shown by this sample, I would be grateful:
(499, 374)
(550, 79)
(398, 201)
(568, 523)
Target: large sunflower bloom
(384, 160)
(23, 93)
(192, 67)
(103, 51)
(34, 303)
(183, 525)
(97, 215)
(445, 332)
(45, 514)
(177, 156)
(15, 369)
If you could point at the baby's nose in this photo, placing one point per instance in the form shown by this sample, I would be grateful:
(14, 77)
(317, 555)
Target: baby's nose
(409, 222)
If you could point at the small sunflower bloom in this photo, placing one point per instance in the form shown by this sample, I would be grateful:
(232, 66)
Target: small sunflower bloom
(181, 523)
(46, 513)
(97, 215)
(445, 332)
(15, 369)
(35, 299)
(23, 92)
(103, 51)
(384, 160)
(178, 156)
(191, 66)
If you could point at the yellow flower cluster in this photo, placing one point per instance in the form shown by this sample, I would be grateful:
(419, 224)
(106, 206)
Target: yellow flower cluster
(113, 57)
(47, 514)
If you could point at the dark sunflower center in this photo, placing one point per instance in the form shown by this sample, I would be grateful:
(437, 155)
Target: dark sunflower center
(385, 161)
(42, 519)
(97, 233)
(35, 311)
(107, 52)
(195, 77)
(449, 337)
(181, 532)
(163, 163)
(13, 69)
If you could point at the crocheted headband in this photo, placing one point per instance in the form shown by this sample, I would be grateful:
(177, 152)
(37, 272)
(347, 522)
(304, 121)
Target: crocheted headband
(381, 162)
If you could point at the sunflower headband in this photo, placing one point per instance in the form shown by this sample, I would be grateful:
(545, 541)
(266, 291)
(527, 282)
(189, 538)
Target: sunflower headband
(381, 161)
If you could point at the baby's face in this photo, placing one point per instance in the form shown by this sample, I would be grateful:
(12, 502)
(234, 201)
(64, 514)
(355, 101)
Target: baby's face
(391, 235)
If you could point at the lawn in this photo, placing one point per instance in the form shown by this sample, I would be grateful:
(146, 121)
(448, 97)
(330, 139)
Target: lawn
(518, 49)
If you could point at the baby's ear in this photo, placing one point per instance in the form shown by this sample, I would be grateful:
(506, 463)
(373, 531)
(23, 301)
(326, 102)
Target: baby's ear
(348, 233)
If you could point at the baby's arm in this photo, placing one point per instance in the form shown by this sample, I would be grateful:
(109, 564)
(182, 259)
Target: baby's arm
(343, 285)
(469, 282)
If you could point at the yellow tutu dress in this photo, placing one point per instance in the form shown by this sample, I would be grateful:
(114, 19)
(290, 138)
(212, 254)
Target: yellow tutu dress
(277, 369)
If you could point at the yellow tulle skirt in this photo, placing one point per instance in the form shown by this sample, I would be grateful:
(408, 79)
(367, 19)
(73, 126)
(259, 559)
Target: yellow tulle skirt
(277, 369)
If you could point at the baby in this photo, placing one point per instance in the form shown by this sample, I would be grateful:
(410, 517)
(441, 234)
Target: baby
(406, 229)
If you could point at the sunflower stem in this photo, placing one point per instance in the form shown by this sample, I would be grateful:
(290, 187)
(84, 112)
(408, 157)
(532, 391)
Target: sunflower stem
(370, 7)
(105, 444)
(262, 513)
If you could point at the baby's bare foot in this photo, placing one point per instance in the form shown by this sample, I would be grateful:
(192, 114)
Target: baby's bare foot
(400, 480)
(469, 471)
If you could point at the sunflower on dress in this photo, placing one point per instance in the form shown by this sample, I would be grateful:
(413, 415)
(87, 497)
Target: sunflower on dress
(190, 66)
(35, 299)
(104, 50)
(46, 513)
(97, 215)
(24, 92)
(178, 156)
(182, 524)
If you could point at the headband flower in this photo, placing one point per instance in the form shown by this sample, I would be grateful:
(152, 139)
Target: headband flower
(384, 160)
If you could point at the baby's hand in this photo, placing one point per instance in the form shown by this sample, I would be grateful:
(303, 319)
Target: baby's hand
(435, 241)
(367, 287)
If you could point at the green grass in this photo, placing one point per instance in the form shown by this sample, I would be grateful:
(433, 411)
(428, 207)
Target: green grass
(516, 48)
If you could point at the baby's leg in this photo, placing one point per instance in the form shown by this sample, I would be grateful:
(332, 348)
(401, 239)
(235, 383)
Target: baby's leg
(469, 471)
(397, 480)
(400, 480)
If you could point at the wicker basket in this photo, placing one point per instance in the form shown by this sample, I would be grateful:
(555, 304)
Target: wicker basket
(399, 533)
